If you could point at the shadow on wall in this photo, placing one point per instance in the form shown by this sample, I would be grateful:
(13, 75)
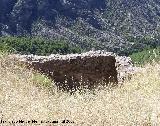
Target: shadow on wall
(79, 72)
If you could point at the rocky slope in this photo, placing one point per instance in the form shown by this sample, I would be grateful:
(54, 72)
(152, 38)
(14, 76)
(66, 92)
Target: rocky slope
(104, 24)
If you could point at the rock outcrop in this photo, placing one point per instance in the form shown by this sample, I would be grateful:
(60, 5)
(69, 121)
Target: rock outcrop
(87, 69)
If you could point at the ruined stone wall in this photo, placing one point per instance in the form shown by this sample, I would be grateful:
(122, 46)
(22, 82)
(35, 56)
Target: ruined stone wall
(87, 69)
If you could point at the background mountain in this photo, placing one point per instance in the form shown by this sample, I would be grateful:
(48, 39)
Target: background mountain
(121, 26)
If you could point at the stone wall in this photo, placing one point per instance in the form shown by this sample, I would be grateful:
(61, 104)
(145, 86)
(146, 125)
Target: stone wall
(75, 70)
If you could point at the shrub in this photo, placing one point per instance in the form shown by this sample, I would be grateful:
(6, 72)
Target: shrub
(146, 56)
(36, 46)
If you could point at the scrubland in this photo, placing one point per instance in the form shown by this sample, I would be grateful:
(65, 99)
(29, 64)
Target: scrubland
(25, 95)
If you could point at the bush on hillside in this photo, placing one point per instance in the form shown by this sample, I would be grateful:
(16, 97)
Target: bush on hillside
(146, 56)
(141, 42)
(36, 46)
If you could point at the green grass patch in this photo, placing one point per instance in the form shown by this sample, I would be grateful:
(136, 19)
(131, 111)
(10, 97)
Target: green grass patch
(42, 80)
(146, 56)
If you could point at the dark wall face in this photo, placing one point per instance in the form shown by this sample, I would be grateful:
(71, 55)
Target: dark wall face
(73, 73)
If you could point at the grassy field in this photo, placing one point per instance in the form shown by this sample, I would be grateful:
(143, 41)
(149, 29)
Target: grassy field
(27, 96)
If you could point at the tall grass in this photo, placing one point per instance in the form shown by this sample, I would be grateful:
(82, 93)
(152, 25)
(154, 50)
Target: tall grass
(22, 97)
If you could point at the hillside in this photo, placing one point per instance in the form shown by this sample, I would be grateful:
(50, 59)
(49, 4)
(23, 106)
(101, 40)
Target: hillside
(121, 26)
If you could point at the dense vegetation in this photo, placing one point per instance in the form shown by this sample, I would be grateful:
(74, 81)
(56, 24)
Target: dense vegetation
(37, 46)
(146, 56)
(138, 44)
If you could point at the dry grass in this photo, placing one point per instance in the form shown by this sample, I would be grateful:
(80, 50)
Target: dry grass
(137, 102)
